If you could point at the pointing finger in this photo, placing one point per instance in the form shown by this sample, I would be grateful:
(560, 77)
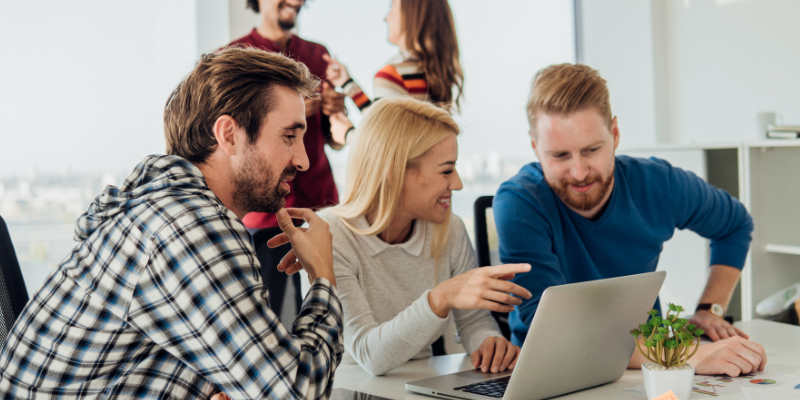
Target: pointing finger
(502, 270)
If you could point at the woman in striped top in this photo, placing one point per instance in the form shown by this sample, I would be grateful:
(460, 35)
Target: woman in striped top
(427, 67)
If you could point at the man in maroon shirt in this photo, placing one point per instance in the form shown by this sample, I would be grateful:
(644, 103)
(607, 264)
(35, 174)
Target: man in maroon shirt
(313, 188)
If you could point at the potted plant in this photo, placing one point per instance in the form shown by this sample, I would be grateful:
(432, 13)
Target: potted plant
(668, 343)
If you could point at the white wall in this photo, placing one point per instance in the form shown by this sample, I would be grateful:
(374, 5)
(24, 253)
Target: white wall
(694, 71)
(241, 19)
(729, 60)
(212, 25)
(616, 38)
(83, 83)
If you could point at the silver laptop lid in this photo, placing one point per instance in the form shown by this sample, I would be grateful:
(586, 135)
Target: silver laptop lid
(579, 336)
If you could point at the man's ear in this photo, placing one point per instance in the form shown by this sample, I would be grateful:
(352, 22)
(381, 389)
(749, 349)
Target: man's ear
(225, 128)
(533, 143)
(615, 132)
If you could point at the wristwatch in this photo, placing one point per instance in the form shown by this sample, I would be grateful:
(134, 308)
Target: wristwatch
(714, 308)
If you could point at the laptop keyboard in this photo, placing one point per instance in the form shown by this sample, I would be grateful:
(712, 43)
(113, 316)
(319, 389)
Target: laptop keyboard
(493, 388)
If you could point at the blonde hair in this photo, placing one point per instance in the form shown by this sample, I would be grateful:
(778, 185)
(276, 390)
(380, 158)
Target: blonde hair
(394, 135)
(566, 88)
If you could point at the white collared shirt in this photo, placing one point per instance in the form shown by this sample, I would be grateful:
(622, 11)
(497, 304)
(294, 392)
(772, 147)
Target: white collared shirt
(373, 245)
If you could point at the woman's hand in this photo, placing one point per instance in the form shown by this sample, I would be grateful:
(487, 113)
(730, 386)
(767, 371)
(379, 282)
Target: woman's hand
(496, 354)
(484, 288)
(220, 396)
(340, 125)
(335, 73)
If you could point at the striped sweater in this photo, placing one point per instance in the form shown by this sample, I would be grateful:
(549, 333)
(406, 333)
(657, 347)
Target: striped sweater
(401, 77)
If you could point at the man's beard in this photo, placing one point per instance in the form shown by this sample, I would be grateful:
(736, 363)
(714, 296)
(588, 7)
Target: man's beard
(256, 188)
(286, 25)
(583, 201)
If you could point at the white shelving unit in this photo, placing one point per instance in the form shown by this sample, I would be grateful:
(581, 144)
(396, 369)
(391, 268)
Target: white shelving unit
(783, 249)
(765, 177)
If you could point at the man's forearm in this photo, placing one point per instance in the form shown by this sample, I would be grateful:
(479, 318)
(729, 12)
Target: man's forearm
(722, 279)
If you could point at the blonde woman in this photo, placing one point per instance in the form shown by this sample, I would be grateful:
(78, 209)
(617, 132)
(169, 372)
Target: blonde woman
(402, 261)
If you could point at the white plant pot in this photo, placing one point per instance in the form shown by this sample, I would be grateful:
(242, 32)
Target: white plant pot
(658, 382)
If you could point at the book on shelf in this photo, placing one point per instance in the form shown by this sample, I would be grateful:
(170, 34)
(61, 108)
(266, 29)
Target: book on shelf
(783, 132)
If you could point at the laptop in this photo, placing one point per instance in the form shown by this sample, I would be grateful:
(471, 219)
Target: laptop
(579, 338)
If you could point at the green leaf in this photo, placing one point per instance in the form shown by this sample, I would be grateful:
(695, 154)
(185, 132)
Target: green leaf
(691, 327)
(677, 325)
(673, 307)
(699, 332)
(658, 337)
(636, 332)
(671, 344)
(655, 321)
(652, 312)
(662, 330)
(650, 343)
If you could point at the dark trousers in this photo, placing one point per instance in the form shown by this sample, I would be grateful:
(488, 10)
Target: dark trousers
(284, 290)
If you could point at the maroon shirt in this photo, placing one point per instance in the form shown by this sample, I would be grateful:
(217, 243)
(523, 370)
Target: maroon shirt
(314, 188)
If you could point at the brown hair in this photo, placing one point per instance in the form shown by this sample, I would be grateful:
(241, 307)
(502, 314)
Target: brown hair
(566, 88)
(237, 82)
(430, 35)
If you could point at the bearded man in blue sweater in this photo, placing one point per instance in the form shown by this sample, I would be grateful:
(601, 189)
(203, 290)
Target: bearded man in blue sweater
(581, 213)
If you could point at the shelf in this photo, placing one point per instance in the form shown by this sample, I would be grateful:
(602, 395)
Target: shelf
(782, 249)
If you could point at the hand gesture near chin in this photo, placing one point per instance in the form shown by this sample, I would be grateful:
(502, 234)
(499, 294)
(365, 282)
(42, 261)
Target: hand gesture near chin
(484, 288)
(312, 247)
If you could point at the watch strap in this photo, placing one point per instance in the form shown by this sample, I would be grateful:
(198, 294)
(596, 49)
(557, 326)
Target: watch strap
(710, 307)
(704, 306)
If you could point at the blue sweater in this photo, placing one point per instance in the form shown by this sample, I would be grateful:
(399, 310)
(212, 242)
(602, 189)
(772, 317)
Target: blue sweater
(649, 200)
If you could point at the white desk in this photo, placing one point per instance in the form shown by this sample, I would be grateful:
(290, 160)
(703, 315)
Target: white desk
(781, 342)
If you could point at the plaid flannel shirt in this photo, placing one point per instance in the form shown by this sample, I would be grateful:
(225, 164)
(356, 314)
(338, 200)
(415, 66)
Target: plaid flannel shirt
(162, 299)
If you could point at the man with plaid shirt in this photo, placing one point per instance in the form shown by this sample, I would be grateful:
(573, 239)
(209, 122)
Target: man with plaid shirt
(162, 297)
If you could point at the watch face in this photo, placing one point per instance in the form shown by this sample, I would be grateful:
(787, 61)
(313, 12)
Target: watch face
(716, 309)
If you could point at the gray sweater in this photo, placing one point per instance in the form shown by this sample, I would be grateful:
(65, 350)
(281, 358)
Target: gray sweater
(384, 293)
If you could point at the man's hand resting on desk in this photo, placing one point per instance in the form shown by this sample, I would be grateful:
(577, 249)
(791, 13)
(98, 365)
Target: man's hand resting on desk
(733, 356)
(496, 354)
(716, 328)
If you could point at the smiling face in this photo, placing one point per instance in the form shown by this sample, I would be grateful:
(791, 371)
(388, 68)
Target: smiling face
(428, 186)
(393, 19)
(284, 11)
(576, 152)
(261, 175)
